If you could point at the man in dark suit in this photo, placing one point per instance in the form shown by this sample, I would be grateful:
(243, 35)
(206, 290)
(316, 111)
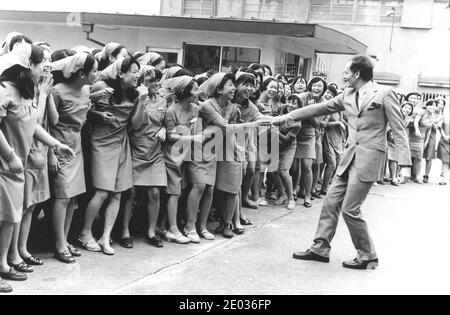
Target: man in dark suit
(369, 108)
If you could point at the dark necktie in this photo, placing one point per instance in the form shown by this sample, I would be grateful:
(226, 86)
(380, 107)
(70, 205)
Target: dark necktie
(357, 99)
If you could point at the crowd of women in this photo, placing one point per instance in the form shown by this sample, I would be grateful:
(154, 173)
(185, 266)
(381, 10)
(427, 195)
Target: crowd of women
(122, 130)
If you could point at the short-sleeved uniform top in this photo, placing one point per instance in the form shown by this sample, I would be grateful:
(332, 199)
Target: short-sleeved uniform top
(18, 124)
(73, 107)
(149, 168)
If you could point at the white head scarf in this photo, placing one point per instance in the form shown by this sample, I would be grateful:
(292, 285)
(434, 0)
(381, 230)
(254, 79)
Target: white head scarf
(178, 84)
(81, 49)
(211, 85)
(70, 65)
(107, 51)
(7, 42)
(149, 58)
(19, 56)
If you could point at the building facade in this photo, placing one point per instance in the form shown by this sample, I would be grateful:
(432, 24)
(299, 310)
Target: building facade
(409, 38)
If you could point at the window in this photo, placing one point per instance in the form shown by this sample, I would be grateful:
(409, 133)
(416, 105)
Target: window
(356, 11)
(239, 57)
(202, 58)
(335, 10)
(199, 7)
(263, 9)
(375, 11)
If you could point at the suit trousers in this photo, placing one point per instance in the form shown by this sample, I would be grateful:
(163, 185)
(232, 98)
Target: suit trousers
(346, 195)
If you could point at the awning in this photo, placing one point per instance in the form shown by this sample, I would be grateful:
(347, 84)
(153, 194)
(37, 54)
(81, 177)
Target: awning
(387, 78)
(323, 39)
(434, 81)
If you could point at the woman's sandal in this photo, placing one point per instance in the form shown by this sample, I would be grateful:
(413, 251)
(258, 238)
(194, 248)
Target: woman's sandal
(22, 267)
(246, 221)
(91, 245)
(13, 275)
(207, 235)
(307, 204)
(33, 261)
(65, 257)
(74, 251)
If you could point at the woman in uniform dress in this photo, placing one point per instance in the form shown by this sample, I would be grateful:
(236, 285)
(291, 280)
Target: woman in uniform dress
(221, 117)
(419, 136)
(111, 155)
(182, 125)
(37, 187)
(306, 145)
(429, 153)
(19, 71)
(79, 72)
(147, 135)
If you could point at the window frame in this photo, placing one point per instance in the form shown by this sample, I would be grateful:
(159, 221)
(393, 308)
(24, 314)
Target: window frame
(279, 14)
(355, 15)
(221, 46)
(213, 10)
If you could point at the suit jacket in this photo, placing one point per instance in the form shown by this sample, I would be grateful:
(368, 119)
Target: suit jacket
(367, 143)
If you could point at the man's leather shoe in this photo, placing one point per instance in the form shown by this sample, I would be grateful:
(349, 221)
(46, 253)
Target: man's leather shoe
(309, 255)
(361, 265)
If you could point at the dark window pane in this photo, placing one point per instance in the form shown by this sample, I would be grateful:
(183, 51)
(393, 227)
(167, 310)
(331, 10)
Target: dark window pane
(200, 58)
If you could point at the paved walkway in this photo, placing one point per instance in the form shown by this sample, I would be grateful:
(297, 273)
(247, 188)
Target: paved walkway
(410, 226)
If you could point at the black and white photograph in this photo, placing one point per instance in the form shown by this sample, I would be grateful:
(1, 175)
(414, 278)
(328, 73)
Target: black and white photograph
(225, 153)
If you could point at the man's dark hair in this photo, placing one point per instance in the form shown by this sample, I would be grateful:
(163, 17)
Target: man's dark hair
(364, 65)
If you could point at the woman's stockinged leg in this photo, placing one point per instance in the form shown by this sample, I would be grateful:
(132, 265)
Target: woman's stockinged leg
(297, 171)
(205, 208)
(153, 207)
(60, 209)
(112, 210)
(231, 201)
(307, 177)
(68, 223)
(13, 255)
(6, 231)
(92, 211)
(287, 181)
(24, 233)
(195, 196)
(172, 211)
(128, 212)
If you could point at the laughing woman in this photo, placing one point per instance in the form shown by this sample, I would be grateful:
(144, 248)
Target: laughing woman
(111, 154)
(181, 123)
(19, 71)
(68, 181)
(147, 135)
(37, 188)
(306, 146)
(219, 112)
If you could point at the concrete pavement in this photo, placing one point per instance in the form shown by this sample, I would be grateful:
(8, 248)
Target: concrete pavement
(410, 226)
